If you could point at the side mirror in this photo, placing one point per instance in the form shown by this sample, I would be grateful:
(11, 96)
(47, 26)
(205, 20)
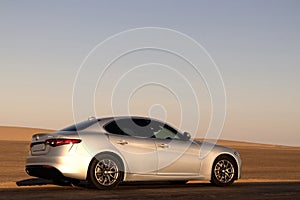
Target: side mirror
(187, 135)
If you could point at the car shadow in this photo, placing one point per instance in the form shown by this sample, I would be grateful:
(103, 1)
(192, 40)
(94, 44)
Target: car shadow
(123, 185)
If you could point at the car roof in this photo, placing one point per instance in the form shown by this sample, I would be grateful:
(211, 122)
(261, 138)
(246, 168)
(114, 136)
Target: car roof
(124, 117)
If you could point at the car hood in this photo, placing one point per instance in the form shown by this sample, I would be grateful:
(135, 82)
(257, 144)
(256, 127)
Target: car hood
(206, 146)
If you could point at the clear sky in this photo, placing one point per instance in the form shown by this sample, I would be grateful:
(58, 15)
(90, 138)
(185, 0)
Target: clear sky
(256, 45)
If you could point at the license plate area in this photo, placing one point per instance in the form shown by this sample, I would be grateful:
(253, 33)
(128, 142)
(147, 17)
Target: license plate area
(38, 147)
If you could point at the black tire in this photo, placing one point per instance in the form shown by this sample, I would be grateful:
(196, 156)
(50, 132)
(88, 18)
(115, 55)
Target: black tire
(224, 171)
(105, 172)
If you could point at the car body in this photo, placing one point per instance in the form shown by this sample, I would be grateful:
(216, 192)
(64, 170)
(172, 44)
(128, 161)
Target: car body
(106, 151)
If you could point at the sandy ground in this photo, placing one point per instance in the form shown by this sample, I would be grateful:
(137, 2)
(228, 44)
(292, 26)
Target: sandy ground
(269, 162)
(261, 163)
(241, 191)
(19, 133)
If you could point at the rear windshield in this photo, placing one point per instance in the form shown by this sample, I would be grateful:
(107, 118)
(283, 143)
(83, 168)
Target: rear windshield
(80, 126)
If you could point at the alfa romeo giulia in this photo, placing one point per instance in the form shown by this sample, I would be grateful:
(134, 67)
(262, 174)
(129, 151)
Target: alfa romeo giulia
(107, 151)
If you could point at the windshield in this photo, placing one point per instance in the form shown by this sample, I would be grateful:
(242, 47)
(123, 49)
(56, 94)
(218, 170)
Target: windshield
(80, 126)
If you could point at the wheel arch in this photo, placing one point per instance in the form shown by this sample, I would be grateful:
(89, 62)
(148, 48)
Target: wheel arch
(117, 156)
(236, 166)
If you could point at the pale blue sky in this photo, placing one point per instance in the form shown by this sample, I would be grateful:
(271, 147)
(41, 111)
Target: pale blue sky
(256, 45)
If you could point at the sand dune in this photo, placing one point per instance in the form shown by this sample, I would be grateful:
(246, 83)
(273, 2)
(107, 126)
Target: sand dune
(11, 133)
(19, 133)
(260, 162)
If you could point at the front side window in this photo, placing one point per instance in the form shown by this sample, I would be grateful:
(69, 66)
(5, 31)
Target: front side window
(163, 131)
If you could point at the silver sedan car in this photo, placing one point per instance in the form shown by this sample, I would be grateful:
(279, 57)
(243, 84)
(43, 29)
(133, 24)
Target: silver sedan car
(107, 151)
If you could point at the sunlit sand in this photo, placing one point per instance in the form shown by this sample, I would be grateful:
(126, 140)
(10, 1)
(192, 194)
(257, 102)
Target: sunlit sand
(261, 163)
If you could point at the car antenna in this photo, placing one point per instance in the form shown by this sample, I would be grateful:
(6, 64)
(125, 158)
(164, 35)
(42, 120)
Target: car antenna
(91, 118)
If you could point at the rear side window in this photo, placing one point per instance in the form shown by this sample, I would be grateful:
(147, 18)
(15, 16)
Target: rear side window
(114, 128)
(131, 127)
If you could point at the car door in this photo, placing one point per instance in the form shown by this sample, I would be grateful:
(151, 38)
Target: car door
(138, 151)
(176, 156)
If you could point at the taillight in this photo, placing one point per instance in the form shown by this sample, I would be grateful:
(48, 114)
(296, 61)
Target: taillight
(59, 142)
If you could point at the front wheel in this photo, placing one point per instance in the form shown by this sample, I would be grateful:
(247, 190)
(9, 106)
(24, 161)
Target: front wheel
(105, 172)
(224, 171)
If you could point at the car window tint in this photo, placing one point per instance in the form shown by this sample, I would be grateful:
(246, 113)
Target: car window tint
(164, 133)
(135, 127)
(113, 127)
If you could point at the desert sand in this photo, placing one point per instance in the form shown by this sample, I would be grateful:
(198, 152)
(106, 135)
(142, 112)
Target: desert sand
(10, 133)
(261, 163)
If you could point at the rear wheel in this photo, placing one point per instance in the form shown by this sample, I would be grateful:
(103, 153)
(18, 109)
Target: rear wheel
(224, 171)
(105, 172)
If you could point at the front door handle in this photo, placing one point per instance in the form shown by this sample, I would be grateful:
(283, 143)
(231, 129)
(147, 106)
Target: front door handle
(122, 142)
(164, 146)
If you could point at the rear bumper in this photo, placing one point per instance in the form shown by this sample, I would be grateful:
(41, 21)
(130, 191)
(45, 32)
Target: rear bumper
(44, 171)
(45, 166)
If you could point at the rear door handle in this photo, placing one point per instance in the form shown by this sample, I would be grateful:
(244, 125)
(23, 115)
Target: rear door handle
(122, 142)
(164, 145)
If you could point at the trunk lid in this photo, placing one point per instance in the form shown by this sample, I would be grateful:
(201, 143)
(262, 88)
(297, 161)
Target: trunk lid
(38, 146)
(43, 143)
